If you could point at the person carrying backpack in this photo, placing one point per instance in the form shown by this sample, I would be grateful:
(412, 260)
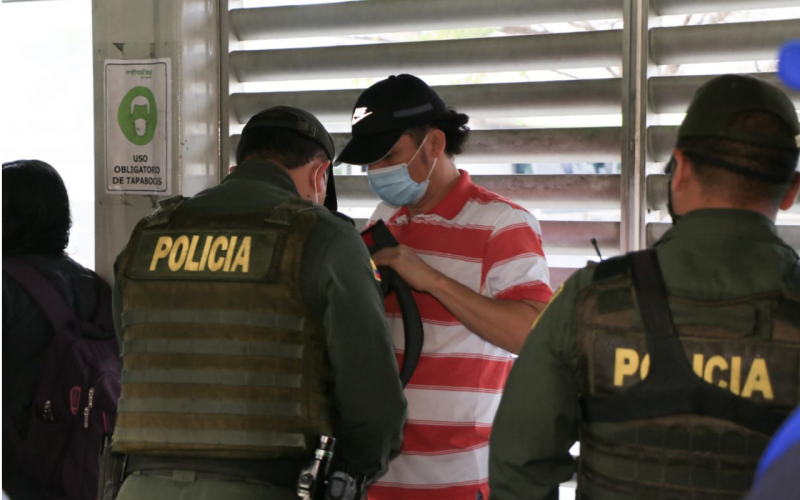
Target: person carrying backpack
(60, 355)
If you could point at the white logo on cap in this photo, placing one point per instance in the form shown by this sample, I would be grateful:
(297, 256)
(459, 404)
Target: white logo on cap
(359, 114)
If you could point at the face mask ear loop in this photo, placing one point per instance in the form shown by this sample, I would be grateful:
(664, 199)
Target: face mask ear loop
(432, 167)
(418, 149)
(314, 180)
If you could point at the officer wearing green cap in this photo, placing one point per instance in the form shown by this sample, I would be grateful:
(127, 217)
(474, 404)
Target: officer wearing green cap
(252, 323)
(671, 367)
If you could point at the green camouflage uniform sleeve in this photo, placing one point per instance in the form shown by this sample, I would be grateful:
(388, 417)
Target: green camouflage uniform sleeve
(368, 394)
(537, 421)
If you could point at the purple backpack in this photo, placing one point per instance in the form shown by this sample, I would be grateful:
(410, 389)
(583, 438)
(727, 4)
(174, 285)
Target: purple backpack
(75, 403)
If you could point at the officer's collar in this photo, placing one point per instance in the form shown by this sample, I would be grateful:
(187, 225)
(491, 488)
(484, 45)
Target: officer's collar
(263, 171)
(742, 224)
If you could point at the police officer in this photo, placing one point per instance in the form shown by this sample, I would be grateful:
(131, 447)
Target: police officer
(252, 323)
(683, 406)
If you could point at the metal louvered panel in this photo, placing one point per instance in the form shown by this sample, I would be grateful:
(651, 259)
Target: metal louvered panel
(568, 145)
(637, 95)
(385, 16)
(575, 237)
(570, 97)
(563, 192)
(661, 142)
(514, 53)
(657, 192)
(721, 42)
(671, 94)
(672, 7)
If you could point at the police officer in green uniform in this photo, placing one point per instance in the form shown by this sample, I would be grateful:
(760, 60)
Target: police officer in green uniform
(683, 406)
(252, 323)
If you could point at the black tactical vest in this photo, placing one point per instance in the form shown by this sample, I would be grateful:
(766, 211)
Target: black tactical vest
(698, 425)
(220, 356)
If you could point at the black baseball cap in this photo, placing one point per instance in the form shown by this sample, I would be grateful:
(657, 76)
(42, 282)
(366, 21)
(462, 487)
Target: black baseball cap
(721, 99)
(304, 123)
(384, 111)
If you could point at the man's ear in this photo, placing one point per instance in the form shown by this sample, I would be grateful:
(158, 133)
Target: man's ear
(791, 194)
(682, 172)
(437, 141)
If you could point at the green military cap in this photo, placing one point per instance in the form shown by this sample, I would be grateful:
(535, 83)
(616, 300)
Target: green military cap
(303, 122)
(721, 99)
(296, 119)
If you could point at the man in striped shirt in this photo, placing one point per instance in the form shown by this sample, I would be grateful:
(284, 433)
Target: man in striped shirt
(476, 263)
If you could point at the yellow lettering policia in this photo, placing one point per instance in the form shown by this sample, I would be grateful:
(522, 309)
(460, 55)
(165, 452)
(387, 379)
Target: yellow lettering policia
(712, 370)
(218, 253)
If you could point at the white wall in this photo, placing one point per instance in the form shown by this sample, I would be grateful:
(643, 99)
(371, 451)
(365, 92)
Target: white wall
(46, 101)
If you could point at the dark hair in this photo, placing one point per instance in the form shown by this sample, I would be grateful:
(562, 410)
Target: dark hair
(36, 218)
(283, 145)
(454, 126)
(738, 187)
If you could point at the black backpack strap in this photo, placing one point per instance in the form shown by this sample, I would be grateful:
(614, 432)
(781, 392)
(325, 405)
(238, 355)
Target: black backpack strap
(51, 303)
(672, 387)
(412, 321)
(43, 292)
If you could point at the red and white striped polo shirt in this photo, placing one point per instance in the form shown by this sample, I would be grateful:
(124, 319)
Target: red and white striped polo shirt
(494, 247)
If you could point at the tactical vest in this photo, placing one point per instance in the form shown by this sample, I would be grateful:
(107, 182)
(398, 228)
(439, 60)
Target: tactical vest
(221, 357)
(697, 428)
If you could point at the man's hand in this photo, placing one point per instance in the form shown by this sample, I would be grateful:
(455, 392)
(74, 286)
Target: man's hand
(419, 275)
(504, 323)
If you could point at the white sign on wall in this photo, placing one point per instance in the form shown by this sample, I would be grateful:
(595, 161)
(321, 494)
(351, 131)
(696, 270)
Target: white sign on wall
(138, 126)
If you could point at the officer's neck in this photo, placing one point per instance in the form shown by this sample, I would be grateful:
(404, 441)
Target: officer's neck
(766, 209)
(442, 180)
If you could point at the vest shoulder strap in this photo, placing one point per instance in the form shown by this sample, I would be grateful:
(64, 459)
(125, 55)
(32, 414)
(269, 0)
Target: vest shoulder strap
(166, 209)
(615, 267)
(793, 282)
(285, 213)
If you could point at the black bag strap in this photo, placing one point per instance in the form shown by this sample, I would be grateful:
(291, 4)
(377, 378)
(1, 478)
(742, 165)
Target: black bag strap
(53, 305)
(412, 321)
(10, 431)
(43, 292)
(50, 302)
(672, 387)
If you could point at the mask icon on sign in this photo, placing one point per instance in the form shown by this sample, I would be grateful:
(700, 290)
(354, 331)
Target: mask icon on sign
(140, 115)
(137, 116)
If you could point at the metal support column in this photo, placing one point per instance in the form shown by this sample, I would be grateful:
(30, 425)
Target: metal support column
(636, 68)
(187, 32)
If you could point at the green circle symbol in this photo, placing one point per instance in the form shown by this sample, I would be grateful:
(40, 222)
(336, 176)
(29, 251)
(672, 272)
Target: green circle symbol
(138, 116)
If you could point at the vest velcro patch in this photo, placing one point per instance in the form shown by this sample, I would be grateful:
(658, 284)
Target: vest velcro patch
(245, 255)
(764, 372)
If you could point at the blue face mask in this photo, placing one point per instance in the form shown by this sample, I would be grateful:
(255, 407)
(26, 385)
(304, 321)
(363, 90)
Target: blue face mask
(395, 186)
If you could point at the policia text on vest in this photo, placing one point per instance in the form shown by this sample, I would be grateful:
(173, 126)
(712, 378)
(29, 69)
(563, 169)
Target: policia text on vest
(746, 375)
(203, 254)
